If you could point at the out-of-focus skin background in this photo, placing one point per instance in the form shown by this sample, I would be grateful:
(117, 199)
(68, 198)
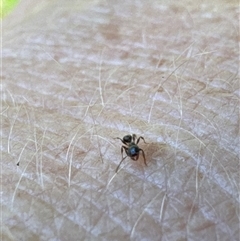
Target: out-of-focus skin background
(77, 74)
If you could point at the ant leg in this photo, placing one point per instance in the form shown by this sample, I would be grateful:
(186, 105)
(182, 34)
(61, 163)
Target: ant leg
(121, 140)
(140, 137)
(120, 164)
(125, 148)
(144, 158)
(123, 158)
(134, 137)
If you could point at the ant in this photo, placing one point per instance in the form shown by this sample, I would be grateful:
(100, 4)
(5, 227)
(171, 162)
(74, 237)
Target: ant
(131, 148)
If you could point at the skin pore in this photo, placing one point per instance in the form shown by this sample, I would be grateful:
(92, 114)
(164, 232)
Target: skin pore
(76, 76)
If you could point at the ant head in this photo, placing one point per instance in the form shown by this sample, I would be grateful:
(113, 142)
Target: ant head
(127, 138)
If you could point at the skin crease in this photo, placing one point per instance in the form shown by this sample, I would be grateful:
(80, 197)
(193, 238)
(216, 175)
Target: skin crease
(74, 77)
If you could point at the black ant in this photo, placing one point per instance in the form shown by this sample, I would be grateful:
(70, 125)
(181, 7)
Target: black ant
(131, 148)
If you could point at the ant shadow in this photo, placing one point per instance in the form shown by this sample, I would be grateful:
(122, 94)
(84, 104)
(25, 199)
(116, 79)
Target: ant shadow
(156, 152)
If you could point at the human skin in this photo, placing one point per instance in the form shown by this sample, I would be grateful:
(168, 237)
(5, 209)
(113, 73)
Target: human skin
(74, 77)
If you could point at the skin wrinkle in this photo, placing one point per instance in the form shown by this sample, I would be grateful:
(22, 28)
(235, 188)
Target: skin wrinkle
(77, 76)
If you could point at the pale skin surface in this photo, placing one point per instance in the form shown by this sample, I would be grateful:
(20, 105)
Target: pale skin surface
(77, 76)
